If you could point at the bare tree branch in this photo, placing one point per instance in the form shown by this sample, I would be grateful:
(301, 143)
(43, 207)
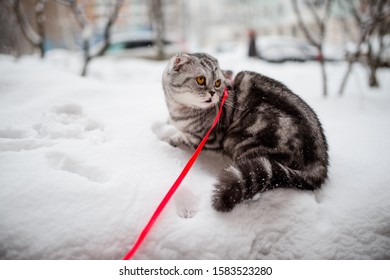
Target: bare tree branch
(377, 12)
(36, 38)
(317, 42)
(354, 11)
(328, 6)
(158, 26)
(77, 11)
(107, 29)
(106, 38)
(40, 18)
(314, 12)
(302, 25)
(85, 25)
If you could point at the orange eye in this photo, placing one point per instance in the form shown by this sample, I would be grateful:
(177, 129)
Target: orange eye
(201, 80)
(217, 83)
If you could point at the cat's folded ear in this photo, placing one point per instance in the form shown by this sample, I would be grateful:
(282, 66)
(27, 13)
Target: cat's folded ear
(180, 60)
(228, 83)
(228, 74)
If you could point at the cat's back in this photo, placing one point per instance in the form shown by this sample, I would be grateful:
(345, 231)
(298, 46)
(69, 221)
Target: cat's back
(276, 119)
(256, 89)
(259, 92)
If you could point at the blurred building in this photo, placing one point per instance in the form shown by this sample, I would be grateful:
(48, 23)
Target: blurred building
(216, 21)
(198, 23)
(229, 20)
(209, 23)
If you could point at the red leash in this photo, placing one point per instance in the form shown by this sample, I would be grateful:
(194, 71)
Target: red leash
(175, 185)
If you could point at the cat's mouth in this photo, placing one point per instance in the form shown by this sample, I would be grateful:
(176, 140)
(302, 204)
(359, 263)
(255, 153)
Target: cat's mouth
(208, 100)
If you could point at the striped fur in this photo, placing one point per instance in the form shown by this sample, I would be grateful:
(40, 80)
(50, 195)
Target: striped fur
(273, 137)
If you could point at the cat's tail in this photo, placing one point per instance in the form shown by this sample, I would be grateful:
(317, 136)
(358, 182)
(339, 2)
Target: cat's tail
(245, 179)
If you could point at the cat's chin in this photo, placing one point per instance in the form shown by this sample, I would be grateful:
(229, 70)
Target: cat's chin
(200, 105)
(210, 103)
(206, 105)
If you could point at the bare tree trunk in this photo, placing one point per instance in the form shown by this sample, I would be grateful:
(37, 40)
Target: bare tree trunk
(374, 58)
(323, 73)
(317, 42)
(343, 84)
(158, 25)
(106, 38)
(87, 56)
(86, 30)
(376, 15)
(40, 16)
(351, 62)
(372, 66)
(36, 38)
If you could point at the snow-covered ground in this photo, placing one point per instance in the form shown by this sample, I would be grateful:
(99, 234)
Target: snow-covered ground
(81, 171)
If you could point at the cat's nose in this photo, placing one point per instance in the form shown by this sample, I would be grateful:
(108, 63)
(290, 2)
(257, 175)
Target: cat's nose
(212, 93)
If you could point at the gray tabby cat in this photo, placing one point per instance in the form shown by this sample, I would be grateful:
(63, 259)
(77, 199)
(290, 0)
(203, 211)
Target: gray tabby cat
(273, 137)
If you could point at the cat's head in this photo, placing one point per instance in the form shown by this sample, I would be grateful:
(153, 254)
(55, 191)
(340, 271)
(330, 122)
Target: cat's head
(194, 80)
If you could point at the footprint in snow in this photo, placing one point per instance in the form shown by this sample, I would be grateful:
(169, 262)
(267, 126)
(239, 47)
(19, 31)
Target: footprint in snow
(63, 162)
(15, 140)
(70, 122)
(12, 133)
(186, 203)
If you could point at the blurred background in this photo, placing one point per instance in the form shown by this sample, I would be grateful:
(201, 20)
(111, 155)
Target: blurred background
(272, 30)
(80, 165)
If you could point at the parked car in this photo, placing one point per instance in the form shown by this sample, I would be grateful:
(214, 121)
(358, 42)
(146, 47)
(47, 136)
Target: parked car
(280, 49)
(140, 44)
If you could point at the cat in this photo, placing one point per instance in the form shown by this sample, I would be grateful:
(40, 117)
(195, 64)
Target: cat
(272, 136)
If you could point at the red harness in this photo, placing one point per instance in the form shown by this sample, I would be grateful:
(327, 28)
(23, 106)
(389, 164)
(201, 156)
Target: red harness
(175, 185)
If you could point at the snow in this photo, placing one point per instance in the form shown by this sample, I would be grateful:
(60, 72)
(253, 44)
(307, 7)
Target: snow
(81, 170)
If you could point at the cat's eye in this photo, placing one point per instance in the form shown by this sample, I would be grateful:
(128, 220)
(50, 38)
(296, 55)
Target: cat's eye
(217, 83)
(201, 80)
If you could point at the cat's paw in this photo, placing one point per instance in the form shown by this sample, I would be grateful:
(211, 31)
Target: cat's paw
(163, 130)
(170, 134)
(187, 204)
(167, 133)
(228, 191)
